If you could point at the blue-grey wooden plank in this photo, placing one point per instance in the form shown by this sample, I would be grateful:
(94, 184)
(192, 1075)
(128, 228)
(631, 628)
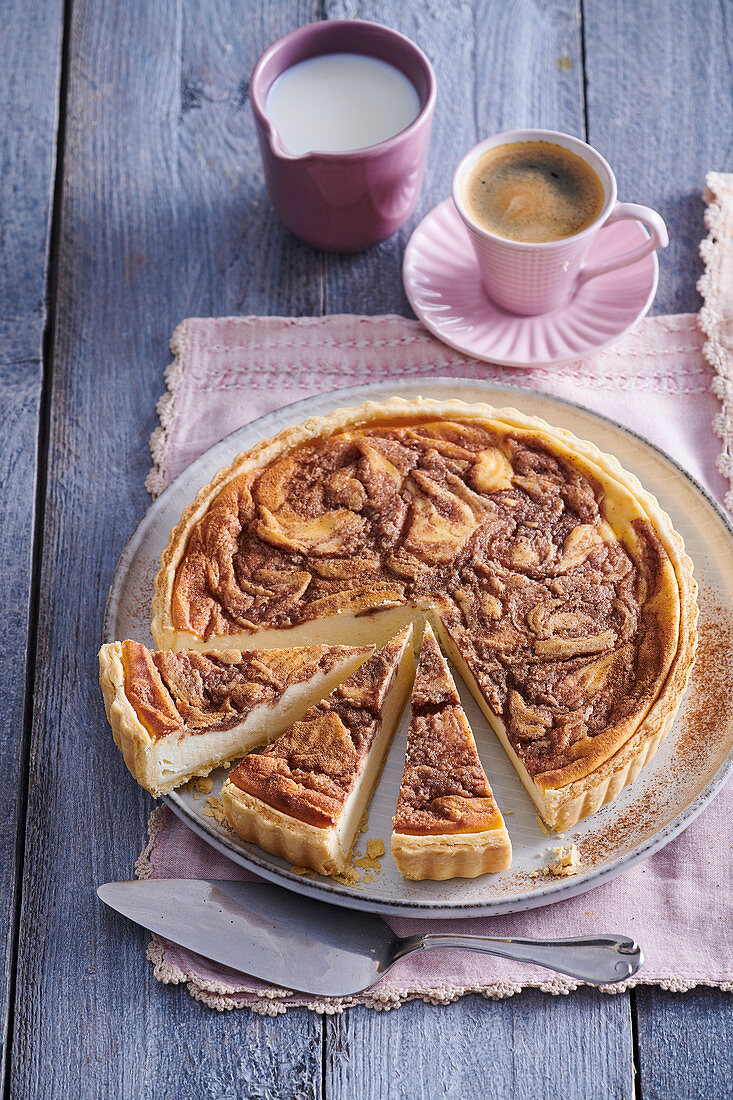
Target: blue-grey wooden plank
(20, 388)
(30, 65)
(660, 109)
(532, 1045)
(684, 1044)
(159, 220)
(243, 260)
(29, 82)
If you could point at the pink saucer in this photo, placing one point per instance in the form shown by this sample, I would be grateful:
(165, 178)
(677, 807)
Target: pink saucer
(442, 282)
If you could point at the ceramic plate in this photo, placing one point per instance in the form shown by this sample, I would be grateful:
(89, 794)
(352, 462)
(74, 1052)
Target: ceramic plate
(442, 282)
(688, 769)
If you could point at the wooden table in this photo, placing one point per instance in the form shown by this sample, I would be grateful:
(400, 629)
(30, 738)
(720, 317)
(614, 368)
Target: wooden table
(131, 196)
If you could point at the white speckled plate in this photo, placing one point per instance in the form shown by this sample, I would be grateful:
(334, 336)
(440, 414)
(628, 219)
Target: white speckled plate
(685, 774)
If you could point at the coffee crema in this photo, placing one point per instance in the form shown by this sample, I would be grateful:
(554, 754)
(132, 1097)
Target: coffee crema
(532, 191)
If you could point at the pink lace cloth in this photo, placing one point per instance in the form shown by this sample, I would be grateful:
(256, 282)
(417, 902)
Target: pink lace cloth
(657, 381)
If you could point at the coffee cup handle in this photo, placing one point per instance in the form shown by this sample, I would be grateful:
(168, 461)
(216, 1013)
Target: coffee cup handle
(659, 239)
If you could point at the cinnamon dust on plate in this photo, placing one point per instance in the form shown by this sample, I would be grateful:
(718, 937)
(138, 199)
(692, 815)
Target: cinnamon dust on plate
(709, 694)
(706, 725)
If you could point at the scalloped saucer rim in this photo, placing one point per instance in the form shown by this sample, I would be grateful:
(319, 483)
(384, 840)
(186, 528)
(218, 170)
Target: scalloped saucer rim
(433, 285)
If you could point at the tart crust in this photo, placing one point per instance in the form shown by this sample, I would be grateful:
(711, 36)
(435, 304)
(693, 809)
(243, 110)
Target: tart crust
(452, 855)
(594, 768)
(168, 736)
(304, 798)
(447, 823)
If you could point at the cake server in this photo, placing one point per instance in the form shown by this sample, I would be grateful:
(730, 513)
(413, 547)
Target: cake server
(296, 943)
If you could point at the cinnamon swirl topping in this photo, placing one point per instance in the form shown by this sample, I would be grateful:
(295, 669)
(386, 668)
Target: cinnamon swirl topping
(548, 579)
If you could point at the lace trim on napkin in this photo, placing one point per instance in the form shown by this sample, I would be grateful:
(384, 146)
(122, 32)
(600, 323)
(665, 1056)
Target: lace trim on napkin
(156, 481)
(716, 316)
(224, 996)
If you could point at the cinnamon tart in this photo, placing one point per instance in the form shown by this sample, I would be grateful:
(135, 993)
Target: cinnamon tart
(556, 584)
(179, 715)
(447, 823)
(304, 797)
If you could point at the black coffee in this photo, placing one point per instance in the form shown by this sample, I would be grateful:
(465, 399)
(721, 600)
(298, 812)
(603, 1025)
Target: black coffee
(533, 191)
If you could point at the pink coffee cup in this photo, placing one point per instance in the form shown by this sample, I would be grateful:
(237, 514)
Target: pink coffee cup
(344, 202)
(528, 278)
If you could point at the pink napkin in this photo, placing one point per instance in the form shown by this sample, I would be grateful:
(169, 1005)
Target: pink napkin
(229, 371)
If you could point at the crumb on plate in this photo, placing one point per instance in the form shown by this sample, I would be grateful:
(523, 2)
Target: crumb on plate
(567, 862)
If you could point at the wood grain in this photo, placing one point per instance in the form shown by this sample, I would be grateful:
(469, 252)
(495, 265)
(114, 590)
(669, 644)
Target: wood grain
(531, 1045)
(30, 68)
(244, 260)
(684, 1043)
(29, 79)
(660, 109)
(528, 67)
(20, 387)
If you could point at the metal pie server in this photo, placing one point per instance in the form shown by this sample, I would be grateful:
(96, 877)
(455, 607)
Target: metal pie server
(300, 944)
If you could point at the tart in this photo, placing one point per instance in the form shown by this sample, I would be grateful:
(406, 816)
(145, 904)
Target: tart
(447, 824)
(179, 715)
(556, 584)
(305, 796)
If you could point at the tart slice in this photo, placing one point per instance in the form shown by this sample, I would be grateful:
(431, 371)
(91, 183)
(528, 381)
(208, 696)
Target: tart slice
(447, 824)
(177, 715)
(304, 797)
